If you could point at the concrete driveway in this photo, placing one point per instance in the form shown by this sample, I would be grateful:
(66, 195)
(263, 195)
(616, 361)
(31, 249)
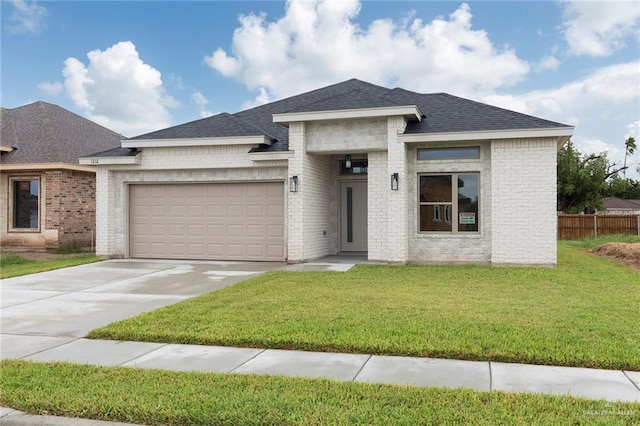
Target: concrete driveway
(49, 309)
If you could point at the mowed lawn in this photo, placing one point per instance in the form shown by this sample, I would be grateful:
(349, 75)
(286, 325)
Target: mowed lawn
(585, 312)
(155, 397)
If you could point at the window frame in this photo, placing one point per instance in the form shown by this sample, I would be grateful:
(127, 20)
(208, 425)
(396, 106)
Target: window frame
(451, 208)
(453, 157)
(12, 201)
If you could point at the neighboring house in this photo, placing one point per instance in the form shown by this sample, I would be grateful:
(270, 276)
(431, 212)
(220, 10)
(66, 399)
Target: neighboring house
(352, 167)
(615, 205)
(48, 199)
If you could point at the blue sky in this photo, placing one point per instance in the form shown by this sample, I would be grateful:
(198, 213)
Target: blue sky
(141, 66)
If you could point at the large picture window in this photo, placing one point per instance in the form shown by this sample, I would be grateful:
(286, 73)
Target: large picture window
(26, 200)
(449, 202)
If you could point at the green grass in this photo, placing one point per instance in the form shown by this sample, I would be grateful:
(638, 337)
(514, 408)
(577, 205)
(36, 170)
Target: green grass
(13, 265)
(156, 397)
(582, 313)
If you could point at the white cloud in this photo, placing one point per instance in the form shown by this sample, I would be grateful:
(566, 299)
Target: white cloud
(588, 145)
(318, 43)
(600, 105)
(599, 28)
(633, 129)
(548, 63)
(52, 89)
(27, 17)
(616, 86)
(118, 90)
(199, 99)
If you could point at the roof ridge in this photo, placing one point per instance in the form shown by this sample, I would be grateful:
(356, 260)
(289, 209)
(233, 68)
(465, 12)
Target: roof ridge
(311, 92)
(252, 126)
(48, 126)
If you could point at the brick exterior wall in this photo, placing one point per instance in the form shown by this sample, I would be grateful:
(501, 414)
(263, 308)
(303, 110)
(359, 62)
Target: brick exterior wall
(352, 136)
(398, 200)
(431, 247)
(378, 185)
(523, 201)
(517, 193)
(312, 213)
(67, 210)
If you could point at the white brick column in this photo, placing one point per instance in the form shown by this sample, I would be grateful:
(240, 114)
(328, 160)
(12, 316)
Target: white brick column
(523, 201)
(295, 201)
(378, 187)
(397, 204)
(105, 216)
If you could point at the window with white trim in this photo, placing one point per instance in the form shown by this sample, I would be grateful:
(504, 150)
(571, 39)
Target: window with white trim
(455, 194)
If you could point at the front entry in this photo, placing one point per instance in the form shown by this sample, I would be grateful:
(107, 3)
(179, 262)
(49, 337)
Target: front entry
(353, 216)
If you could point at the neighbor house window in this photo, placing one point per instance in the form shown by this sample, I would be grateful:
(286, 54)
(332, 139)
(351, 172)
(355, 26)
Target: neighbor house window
(26, 200)
(448, 202)
(467, 152)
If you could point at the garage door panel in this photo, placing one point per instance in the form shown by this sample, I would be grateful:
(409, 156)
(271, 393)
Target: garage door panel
(230, 221)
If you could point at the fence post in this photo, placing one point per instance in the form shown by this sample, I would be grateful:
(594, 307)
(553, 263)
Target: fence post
(595, 226)
(638, 223)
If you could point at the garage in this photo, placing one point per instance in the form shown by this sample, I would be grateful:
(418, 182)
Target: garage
(212, 221)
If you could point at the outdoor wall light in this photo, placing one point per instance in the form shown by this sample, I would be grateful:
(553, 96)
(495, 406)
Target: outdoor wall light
(394, 182)
(347, 161)
(293, 184)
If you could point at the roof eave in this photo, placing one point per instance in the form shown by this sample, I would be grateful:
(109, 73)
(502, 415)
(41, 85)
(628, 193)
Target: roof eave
(182, 142)
(115, 160)
(15, 167)
(409, 111)
(562, 133)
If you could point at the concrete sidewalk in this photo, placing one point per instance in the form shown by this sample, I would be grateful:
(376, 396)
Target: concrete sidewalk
(610, 385)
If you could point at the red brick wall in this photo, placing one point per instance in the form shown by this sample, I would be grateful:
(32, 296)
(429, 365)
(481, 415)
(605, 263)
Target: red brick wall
(70, 207)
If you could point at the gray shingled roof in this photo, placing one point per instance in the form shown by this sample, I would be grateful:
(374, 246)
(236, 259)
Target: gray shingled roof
(619, 203)
(221, 125)
(45, 133)
(442, 113)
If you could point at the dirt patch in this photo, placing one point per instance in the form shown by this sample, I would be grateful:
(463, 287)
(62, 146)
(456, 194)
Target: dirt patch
(627, 253)
(41, 255)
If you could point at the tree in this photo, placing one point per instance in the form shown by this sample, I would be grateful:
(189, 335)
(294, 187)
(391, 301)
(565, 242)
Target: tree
(582, 180)
(625, 188)
(630, 148)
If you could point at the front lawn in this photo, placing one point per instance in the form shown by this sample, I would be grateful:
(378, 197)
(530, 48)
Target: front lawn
(582, 313)
(157, 397)
(14, 265)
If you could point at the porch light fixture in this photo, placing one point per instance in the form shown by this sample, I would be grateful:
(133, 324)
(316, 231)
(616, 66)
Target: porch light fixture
(394, 182)
(293, 184)
(347, 161)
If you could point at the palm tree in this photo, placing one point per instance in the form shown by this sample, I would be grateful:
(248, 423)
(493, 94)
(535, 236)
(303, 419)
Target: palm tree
(630, 148)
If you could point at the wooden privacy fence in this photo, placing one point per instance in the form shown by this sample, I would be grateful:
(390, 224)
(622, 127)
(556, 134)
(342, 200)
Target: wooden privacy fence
(574, 226)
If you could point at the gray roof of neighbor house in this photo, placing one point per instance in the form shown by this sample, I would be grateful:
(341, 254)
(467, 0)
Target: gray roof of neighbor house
(441, 113)
(615, 203)
(45, 133)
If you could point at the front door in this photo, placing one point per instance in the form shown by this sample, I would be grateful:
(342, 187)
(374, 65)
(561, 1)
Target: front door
(353, 216)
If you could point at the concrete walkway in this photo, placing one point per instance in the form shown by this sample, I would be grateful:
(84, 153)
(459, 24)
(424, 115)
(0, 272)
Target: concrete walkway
(479, 375)
(45, 316)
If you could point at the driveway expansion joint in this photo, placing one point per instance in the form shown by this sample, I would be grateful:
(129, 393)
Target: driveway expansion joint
(636, 385)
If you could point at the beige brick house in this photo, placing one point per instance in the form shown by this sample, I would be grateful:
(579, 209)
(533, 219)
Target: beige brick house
(391, 174)
(48, 199)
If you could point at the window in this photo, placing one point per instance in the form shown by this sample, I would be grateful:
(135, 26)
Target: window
(358, 167)
(455, 194)
(468, 152)
(25, 203)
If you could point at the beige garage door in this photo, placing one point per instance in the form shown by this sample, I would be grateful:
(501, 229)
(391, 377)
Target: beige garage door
(230, 221)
